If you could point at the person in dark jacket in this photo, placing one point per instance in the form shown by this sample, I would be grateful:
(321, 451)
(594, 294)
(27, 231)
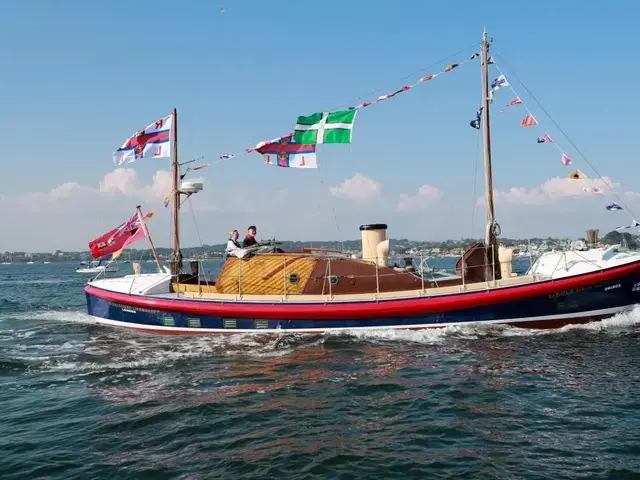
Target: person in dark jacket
(250, 237)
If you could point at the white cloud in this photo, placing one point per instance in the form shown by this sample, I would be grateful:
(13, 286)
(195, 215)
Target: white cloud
(553, 190)
(70, 214)
(426, 196)
(359, 187)
(125, 181)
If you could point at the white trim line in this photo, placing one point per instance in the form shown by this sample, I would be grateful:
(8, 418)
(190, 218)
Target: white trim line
(196, 331)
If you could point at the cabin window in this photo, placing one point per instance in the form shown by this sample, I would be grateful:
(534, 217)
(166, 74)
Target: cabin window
(262, 324)
(294, 279)
(194, 323)
(229, 323)
(169, 322)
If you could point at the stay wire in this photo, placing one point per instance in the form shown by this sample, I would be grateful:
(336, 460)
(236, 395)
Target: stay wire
(533, 97)
(195, 222)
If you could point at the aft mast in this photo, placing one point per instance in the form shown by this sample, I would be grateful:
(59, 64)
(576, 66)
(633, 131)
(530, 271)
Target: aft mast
(490, 237)
(176, 256)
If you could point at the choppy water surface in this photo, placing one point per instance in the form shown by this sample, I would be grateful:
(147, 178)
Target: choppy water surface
(78, 400)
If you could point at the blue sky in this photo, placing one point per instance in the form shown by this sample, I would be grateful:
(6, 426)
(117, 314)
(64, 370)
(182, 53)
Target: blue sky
(80, 77)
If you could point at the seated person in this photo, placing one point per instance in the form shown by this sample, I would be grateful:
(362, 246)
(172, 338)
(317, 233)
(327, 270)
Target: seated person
(233, 243)
(250, 237)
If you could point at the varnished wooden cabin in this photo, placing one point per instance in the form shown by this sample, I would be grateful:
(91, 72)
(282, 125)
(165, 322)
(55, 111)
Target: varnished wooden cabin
(313, 272)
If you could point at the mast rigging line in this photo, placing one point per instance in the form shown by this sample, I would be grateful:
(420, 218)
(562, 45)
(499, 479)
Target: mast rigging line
(564, 134)
(358, 98)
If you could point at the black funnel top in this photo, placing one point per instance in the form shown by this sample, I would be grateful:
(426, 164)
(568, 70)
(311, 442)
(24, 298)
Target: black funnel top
(373, 226)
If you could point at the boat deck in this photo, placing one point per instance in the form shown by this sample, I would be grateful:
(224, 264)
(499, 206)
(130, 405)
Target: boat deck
(208, 292)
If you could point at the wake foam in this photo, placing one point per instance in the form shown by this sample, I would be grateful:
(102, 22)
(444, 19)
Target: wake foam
(108, 350)
(70, 316)
(621, 321)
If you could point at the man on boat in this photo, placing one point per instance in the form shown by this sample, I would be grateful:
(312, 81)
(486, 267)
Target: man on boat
(233, 243)
(250, 237)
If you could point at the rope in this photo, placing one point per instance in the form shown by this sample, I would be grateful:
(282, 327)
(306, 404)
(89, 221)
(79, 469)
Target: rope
(564, 134)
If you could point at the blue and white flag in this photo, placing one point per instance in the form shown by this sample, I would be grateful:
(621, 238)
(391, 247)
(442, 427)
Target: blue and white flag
(613, 206)
(499, 83)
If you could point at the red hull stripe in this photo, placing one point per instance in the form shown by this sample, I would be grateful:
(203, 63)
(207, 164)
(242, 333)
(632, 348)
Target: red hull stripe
(367, 309)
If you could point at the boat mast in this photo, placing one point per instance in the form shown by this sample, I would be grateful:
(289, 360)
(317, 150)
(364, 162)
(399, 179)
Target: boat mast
(176, 257)
(490, 238)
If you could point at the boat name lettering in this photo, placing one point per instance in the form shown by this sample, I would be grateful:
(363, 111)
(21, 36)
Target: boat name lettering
(569, 292)
(636, 287)
(612, 287)
(126, 308)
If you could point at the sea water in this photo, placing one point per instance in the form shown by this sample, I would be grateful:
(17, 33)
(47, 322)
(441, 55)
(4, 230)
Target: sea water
(79, 400)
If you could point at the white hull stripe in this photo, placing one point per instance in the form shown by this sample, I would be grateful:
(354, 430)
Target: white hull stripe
(564, 316)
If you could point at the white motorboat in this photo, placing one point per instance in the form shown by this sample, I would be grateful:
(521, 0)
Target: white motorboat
(97, 267)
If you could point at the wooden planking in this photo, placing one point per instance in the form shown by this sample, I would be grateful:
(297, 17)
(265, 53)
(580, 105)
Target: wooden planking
(189, 288)
(265, 274)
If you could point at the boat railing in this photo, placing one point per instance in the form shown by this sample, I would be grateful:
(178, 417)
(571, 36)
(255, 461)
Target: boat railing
(430, 278)
(457, 273)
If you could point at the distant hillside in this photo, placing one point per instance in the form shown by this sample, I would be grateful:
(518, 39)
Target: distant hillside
(398, 246)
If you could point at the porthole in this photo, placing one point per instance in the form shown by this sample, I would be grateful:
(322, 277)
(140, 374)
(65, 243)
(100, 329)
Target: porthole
(334, 279)
(294, 278)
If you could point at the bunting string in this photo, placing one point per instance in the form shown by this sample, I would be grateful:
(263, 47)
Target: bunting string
(530, 120)
(365, 104)
(567, 161)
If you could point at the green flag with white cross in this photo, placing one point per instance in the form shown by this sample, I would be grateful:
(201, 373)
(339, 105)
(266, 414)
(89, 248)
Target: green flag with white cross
(332, 127)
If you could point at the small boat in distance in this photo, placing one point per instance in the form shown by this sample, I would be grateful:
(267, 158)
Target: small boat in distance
(264, 290)
(97, 266)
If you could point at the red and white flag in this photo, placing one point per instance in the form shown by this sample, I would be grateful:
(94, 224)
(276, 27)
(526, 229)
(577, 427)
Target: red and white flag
(152, 141)
(115, 240)
(529, 121)
(515, 101)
